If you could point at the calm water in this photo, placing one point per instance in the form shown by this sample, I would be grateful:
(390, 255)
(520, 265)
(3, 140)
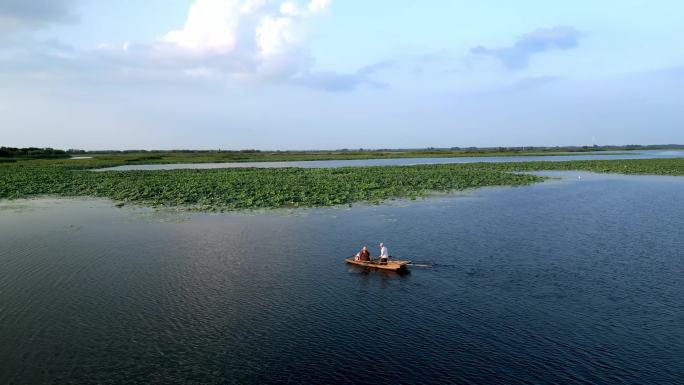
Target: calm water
(649, 154)
(572, 281)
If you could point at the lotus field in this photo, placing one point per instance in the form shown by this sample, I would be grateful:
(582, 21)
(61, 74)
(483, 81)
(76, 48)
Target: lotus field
(232, 189)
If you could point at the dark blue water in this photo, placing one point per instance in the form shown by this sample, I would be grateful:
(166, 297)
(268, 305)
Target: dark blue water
(573, 281)
(648, 154)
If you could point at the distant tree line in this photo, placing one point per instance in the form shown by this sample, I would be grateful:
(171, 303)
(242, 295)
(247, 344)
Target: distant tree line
(248, 151)
(37, 153)
(561, 148)
(33, 152)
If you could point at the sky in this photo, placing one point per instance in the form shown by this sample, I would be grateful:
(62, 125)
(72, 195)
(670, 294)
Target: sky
(332, 74)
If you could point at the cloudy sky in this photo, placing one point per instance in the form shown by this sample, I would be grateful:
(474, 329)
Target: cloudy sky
(327, 74)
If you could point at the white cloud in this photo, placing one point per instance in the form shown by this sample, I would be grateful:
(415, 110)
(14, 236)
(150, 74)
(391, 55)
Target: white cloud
(235, 27)
(289, 8)
(248, 39)
(318, 6)
(221, 41)
(211, 27)
(275, 35)
(250, 6)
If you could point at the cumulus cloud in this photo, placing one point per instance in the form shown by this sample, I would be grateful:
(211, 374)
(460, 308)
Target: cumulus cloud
(538, 41)
(16, 14)
(221, 41)
(277, 34)
(289, 8)
(234, 27)
(210, 27)
(252, 41)
(318, 6)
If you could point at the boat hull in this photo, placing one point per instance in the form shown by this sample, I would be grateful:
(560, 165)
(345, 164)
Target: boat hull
(393, 265)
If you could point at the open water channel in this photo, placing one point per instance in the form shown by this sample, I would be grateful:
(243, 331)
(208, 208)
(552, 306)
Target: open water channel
(577, 280)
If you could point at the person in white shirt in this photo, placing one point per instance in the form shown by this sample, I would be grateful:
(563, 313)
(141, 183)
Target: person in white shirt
(384, 254)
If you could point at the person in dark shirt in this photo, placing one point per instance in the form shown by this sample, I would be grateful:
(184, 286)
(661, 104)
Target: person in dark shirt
(364, 254)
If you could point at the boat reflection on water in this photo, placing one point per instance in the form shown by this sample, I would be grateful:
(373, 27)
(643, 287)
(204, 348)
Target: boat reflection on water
(384, 273)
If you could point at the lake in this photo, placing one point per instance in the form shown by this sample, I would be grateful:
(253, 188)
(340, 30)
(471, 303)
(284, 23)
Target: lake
(648, 154)
(575, 280)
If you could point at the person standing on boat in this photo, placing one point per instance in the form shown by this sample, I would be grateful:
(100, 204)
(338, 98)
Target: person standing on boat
(384, 254)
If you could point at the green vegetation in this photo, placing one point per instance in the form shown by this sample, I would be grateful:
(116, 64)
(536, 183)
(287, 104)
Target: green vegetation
(671, 166)
(230, 189)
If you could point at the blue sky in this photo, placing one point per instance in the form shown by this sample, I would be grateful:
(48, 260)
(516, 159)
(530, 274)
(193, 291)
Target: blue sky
(327, 74)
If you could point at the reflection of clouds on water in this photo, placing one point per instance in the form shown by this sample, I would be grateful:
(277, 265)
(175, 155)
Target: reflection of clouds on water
(75, 228)
(15, 207)
(569, 177)
(162, 216)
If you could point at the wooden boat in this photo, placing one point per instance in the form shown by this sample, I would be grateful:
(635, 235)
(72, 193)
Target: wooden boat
(392, 265)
